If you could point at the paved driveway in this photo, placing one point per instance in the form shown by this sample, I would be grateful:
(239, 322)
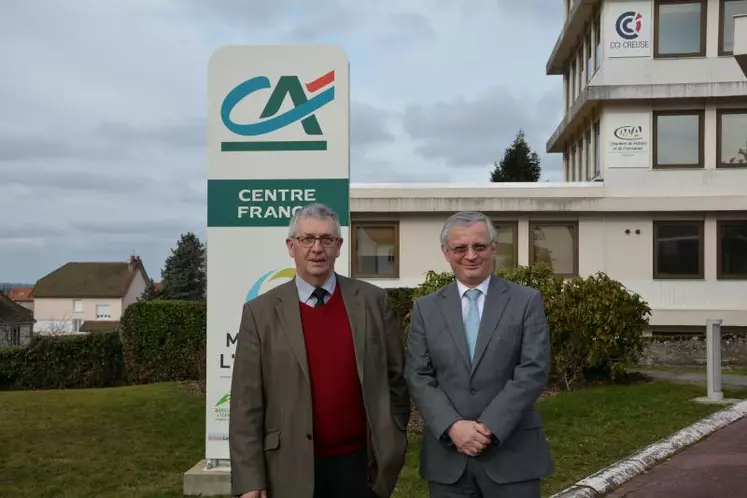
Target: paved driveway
(716, 467)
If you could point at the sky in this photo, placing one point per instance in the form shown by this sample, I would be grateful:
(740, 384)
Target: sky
(102, 108)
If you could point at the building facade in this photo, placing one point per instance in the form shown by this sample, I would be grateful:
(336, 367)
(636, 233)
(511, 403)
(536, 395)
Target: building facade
(654, 141)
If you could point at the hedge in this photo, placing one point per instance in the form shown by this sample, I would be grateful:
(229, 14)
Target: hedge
(63, 362)
(595, 323)
(164, 340)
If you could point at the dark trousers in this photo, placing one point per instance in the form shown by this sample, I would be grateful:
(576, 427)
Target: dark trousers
(475, 483)
(343, 476)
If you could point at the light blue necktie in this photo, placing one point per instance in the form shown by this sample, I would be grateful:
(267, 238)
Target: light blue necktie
(472, 320)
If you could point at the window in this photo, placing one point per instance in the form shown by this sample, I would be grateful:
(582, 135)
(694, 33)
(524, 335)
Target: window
(678, 249)
(597, 43)
(375, 250)
(589, 60)
(731, 132)
(678, 139)
(556, 245)
(78, 305)
(506, 253)
(587, 165)
(572, 167)
(729, 8)
(77, 324)
(732, 249)
(103, 312)
(680, 28)
(597, 150)
(573, 81)
(14, 337)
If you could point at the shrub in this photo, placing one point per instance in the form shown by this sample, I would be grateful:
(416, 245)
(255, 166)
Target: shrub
(400, 298)
(164, 340)
(64, 362)
(595, 323)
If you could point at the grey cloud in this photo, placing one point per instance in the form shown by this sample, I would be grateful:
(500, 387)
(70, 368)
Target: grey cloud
(369, 125)
(297, 19)
(408, 28)
(30, 230)
(137, 229)
(471, 132)
(536, 11)
(376, 170)
(189, 133)
(65, 178)
(28, 148)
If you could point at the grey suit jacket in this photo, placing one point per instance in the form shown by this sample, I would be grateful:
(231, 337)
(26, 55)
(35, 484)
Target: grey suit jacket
(498, 388)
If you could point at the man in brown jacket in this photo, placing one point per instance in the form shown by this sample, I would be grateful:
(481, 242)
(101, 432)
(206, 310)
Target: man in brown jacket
(319, 404)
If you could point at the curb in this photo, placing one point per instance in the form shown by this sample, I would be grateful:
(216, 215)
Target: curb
(606, 480)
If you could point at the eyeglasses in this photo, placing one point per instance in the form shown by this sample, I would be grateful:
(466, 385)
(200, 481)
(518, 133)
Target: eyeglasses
(463, 249)
(309, 240)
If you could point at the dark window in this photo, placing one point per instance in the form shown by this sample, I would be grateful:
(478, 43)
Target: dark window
(678, 139)
(506, 250)
(731, 131)
(556, 245)
(678, 249)
(732, 249)
(375, 250)
(597, 150)
(729, 8)
(680, 28)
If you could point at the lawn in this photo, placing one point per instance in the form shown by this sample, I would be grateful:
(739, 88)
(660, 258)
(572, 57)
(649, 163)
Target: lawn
(138, 441)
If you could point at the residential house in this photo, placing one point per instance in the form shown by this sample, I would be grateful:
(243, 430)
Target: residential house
(16, 322)
(22, 296)
(85, 297)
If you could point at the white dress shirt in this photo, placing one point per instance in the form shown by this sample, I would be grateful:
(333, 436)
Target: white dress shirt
(305, 289)
(480, 299)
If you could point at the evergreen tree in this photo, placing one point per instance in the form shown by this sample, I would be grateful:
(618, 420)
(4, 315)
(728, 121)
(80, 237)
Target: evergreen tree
(184, 273)
(519, 163)
(150, 291)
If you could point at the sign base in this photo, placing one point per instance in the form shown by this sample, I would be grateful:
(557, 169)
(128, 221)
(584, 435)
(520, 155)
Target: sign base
(206, 480)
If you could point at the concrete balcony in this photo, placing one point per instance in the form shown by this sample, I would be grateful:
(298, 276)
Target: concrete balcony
(581, 12)
(740, 41)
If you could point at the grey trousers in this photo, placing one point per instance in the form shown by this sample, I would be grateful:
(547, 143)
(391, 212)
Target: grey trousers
(475, 483)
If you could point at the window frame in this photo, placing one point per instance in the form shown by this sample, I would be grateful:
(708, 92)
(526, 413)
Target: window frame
(720, 225)
(354, 225)
(701, 250)
(700, 113)
(703, 29)
(719, 114)
(103, 316)
(574, 224)
(721, 19)
(514, 224)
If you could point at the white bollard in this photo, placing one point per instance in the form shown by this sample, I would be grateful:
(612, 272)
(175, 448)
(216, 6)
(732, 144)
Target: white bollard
(713, 358)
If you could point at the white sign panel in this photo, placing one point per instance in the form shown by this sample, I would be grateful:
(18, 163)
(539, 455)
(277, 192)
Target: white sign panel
(627, 138)
(628, 29)
(278, 139)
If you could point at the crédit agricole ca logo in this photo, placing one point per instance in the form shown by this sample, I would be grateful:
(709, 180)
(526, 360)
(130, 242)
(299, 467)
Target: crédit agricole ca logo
(305, 105)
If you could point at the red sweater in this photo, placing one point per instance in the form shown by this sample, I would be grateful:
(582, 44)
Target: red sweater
(339, 413)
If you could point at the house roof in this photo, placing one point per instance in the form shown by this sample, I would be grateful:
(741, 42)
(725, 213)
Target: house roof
(89, 280)
(21, 294)
(12, 312)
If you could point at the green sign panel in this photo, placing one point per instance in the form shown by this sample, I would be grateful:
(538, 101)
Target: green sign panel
(271, 203)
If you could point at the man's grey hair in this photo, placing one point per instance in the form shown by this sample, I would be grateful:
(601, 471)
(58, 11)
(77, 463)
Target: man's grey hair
(317, 210)
(466, 218)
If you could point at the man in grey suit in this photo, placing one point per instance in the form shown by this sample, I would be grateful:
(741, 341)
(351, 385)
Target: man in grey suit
(478, 358)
